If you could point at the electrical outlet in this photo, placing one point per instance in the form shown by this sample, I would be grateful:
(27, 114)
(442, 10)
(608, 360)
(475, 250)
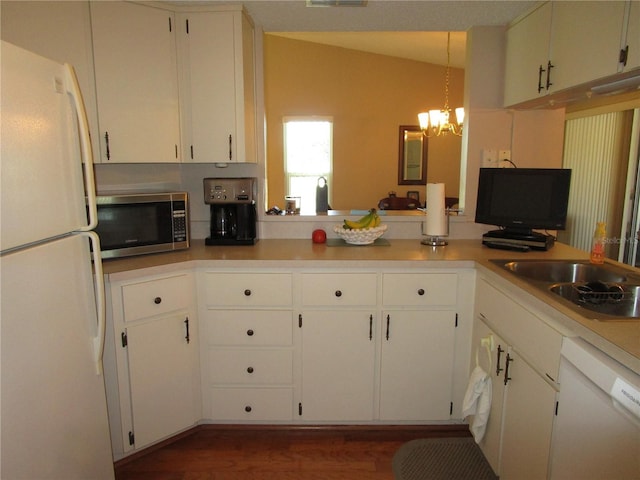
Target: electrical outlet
(489, 158)
(504, 155)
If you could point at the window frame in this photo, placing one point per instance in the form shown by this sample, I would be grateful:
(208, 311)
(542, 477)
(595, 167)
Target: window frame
(288, 174)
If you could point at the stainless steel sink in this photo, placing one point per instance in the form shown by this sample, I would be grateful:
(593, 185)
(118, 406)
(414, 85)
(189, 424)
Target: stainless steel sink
(552, 271)
(598, 292)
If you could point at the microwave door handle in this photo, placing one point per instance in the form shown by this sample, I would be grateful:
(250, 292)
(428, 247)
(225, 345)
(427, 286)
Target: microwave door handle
(73, 89)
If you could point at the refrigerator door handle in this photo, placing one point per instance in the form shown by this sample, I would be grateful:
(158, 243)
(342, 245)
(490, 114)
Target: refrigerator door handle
(98, 339)
(73, 89)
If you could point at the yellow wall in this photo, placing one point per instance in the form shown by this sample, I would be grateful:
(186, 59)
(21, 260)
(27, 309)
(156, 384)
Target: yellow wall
(369, 96)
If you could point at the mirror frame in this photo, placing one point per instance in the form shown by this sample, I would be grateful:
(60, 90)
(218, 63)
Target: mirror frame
(402, 152)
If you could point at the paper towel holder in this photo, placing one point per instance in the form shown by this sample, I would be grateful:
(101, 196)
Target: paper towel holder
(437, 240)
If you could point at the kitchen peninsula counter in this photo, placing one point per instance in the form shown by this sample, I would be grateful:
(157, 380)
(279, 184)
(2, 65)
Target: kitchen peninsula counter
(619, 339)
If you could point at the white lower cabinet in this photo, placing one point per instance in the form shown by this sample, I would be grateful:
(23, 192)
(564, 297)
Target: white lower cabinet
(247, 354)
(338, 360)
(162, 377)
(418, 346)
(339, 333)
(417, 360)
(151, 360)
(285, 346)
(524, 371)
(528, 419)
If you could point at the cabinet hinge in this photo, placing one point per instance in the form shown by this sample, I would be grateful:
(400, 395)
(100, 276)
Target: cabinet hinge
(624, 55)
(451, 408)
(123, 338)
(299, 320)
(131, 438)
(300, 409)
(456, 320)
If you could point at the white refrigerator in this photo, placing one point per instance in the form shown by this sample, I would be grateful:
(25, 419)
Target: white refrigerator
(53, 417)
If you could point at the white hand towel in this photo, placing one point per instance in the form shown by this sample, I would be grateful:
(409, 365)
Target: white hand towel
(477, 402)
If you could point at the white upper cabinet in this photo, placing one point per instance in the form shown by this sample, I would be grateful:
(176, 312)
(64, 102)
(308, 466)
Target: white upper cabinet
(60, 31)
(527, 56)
(633, 37)
(561, 45)
(585, 42)
(136, 82)
(216, 56)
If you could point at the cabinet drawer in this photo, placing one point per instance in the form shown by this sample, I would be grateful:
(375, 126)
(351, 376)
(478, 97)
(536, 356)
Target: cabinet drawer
(252, 404)
(154, 297)
(339, 289)
(248, 289)
(250, 366)
(414, 289)
(248, 327)
(527, 334)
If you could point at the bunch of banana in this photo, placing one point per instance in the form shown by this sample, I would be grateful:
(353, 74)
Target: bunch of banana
(370, 220)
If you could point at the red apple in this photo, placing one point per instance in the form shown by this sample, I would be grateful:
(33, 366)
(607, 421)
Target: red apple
(319, 236)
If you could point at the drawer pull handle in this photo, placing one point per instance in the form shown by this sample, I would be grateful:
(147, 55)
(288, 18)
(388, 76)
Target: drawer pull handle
(247, 293)
(421, 291)
(247, 408)
(338, 293)
(157, 300)
(250, 370)
(250, 332)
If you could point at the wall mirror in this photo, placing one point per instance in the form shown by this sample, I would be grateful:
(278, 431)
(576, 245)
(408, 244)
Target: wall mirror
(412, 156)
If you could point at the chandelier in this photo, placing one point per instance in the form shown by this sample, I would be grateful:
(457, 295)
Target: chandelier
(438, 122)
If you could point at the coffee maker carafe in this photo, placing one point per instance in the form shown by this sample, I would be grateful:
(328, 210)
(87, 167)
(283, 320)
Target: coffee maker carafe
(233, 210)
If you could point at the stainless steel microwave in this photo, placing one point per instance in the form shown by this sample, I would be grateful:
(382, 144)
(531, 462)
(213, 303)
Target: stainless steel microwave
(140, 223)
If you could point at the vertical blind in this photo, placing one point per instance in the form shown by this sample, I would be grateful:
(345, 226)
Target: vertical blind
(596, 151)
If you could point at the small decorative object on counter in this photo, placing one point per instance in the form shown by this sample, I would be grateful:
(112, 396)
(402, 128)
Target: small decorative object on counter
(319, 236)
(599, 241)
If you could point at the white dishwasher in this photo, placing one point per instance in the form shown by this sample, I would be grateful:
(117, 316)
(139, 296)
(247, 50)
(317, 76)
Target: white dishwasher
(596, 434)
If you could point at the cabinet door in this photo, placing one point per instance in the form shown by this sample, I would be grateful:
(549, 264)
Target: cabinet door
(578, 54)
(338, 349)
(493, 363)
(136, 82)
(528, 419)
(60, 31)
(417, 365)
(527, 55)
(633, 37)
(163, 373)
(214, 105)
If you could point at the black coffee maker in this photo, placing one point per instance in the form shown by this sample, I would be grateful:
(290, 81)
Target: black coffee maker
(233, 210)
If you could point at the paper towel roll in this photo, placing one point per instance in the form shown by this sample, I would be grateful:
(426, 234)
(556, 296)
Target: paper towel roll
(436, 221)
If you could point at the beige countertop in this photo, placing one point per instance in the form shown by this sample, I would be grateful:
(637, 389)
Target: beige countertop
(619, 339)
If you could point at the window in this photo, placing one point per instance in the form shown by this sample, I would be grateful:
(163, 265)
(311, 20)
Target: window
(308, 155)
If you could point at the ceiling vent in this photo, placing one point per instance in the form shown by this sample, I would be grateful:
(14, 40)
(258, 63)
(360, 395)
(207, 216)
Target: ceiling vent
(336, 3)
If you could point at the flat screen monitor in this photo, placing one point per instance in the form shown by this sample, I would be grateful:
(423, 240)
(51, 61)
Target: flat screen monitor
(522, 199)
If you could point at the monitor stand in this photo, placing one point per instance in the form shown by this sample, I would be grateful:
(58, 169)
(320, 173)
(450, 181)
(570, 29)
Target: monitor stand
(520, 240)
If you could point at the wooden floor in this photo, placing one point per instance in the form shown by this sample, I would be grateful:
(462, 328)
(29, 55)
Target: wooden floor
(240, 453)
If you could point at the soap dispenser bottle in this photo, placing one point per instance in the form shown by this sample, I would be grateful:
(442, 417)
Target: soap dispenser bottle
(597, 246)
